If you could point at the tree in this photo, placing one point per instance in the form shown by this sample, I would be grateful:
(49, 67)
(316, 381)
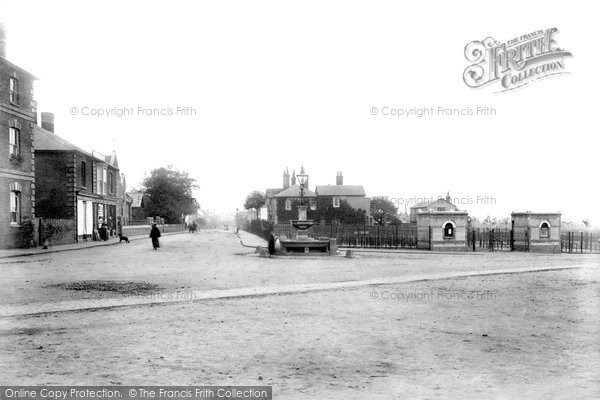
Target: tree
(384, 211)
(586, 223)
(490, 222)
(255, 201)
(168, 193)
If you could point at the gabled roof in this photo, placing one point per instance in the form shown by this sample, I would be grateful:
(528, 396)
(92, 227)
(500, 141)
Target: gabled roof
(440, 201)
(272, 192)
(15, 66)
(112, 160)
(340, 190)
(136, 198)
(294, 191)
(46, 140)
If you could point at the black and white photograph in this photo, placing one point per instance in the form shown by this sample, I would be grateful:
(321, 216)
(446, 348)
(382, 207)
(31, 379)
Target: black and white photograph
(299, 200)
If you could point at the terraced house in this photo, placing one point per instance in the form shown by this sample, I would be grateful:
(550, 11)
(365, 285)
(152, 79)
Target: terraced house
(77, 190)
(18, 117)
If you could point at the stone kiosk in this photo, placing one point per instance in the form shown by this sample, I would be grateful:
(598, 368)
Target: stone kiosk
(442, 230)
(536, 232)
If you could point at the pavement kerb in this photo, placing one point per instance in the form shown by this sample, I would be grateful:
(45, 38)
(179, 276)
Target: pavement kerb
(78, 246)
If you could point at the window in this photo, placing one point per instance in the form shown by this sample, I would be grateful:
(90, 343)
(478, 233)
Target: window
(288, 204)
(104, 181)
(313, 204)
(336, 202)
(110, 183)
(14, 91)
(101, 180)
(14, 142)
(15, 207)
(544, 230)
(83, 174)
(448, 230)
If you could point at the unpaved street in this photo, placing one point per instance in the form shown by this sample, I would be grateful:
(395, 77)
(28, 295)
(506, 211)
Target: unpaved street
(529, 335)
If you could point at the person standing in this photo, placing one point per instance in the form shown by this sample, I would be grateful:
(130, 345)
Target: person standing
(272, 245)
(154, 235)
(104, 231)
(277, 245)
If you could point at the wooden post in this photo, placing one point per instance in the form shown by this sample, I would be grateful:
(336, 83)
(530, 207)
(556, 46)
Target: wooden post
(430, 239)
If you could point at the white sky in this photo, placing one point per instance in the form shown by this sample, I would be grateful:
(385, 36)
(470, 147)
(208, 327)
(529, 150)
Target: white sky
(278, 84)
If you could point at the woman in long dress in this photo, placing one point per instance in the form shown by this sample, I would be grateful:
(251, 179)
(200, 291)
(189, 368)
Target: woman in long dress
(154, 235)
(272, 245)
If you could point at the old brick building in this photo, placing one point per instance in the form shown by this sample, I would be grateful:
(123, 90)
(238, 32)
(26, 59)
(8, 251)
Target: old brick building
(17, 162)
(281, 203)
(75, 185)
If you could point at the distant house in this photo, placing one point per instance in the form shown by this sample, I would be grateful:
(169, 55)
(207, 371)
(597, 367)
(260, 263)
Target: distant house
(354, 195)
(281, 203)
(288, 201)
(440, 204)
(124, 202)
(137, 205)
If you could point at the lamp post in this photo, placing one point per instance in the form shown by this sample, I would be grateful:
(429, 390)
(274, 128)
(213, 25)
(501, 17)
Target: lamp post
(302, 209)
(237, 223)
(302, 178)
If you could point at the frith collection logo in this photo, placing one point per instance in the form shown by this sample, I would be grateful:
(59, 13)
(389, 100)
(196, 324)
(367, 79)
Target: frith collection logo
(514, 63)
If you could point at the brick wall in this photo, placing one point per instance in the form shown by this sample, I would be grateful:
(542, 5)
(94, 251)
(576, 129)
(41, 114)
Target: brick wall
(19, 114)
(53, 192)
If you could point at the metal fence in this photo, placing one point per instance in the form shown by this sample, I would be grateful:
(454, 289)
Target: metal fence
(580, 242)
(363, 236)
(490, 239)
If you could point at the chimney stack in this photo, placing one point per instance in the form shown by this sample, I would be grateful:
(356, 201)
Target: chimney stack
(339, 178)
(48, 121)
(2, 41)
(286, 178)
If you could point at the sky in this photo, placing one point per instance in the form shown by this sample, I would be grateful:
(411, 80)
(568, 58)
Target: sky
(250, 88)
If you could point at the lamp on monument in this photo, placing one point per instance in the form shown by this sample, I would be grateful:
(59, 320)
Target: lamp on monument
(302, 178)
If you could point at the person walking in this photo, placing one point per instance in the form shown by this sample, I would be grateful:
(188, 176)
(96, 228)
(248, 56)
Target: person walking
(272, 245)
(154, 235)
(277, 245)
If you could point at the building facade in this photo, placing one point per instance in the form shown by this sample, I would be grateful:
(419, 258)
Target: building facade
(440, 204)
(18, 117)
(75, 185)
(354, 195)
(281, 203)
(536, 232)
